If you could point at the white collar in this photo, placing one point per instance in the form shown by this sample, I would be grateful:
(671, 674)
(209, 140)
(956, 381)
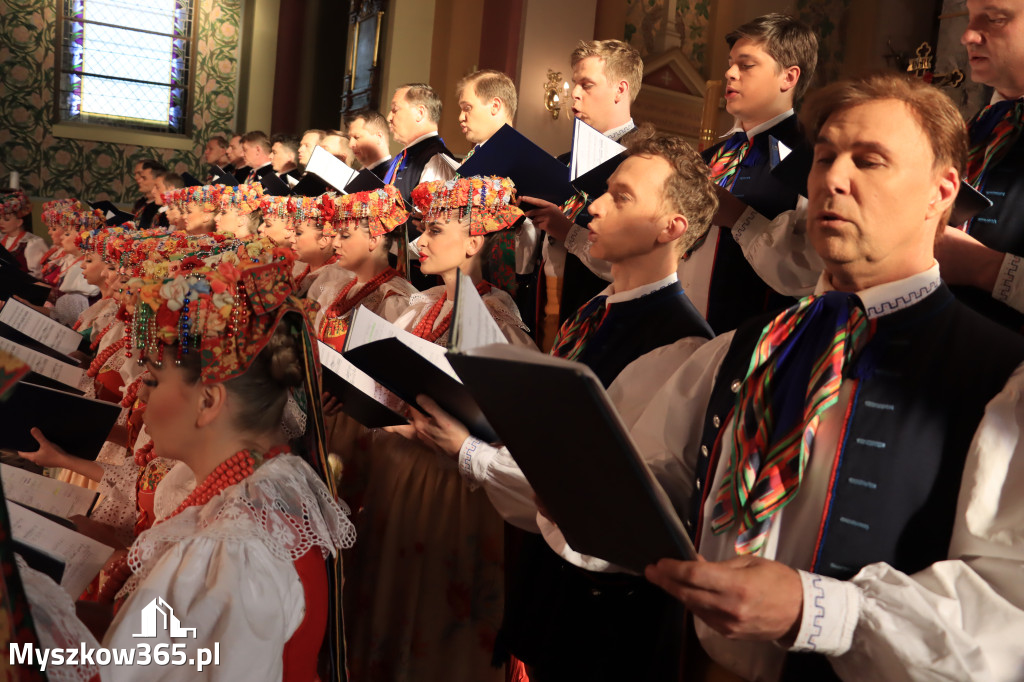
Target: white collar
(619, 131)
(767, 125)
(421, 138)
(883, 299)
(996, 97)
(637, 292)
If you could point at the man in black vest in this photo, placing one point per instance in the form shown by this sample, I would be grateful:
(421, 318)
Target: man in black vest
(852, 485)
(415, 113)
(987, 257)
(606, 77)
(256, 148)
(563, 622)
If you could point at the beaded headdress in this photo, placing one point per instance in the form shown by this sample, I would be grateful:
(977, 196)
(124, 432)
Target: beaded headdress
(383, 208)
(274, 207)
(485, 200)
(14, 203)
(205, 197)
(243, 198)
(226, 311)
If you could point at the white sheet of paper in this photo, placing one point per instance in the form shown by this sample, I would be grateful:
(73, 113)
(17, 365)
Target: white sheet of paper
(46, 494)
(590, 149)
(330, 169)
(336, 362)
(473, 324)
(366, 326)
(34, 324)
(83, 557)
(69, 375)
(450, 161)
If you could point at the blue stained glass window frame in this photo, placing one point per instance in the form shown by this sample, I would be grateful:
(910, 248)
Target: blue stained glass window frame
(70, 74)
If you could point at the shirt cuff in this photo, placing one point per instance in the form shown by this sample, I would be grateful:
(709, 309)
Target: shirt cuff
(830, 614)
(577, 241)
(1009, 286)
(472, 448)
(750, 224)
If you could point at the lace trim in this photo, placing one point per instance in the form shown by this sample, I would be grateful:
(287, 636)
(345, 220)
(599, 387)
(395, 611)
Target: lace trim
(283, 505)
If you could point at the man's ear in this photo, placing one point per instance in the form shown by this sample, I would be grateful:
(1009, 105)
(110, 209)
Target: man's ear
(947, 187)
(675, 228)
(211, 403)
(621, 90)
(789, 77)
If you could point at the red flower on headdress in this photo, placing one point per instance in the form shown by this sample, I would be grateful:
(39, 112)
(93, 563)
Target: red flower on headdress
(328, 209)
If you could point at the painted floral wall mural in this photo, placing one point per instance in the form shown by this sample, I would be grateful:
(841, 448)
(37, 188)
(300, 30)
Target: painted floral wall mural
(60, 167)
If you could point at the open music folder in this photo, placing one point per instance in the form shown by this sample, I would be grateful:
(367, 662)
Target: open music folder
(576, 454)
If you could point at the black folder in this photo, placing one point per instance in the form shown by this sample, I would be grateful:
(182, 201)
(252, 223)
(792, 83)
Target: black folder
(364, 408)
(216, 171)
(408, 374)
(310, 186)
(16, 282)
(576, 454)
(112, 215)
(509, 154)
(79, 425)
(274, 186)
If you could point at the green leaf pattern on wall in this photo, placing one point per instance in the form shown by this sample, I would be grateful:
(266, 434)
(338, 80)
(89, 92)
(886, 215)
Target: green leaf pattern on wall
(828, 18)
(60, 167)
(646, 21)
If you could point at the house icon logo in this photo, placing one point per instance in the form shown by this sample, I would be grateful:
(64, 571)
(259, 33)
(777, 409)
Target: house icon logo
(158, 614)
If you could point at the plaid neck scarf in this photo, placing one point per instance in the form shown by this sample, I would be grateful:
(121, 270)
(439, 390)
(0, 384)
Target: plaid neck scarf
(993, 131)
(572, 337)
(725, 163)
(794, 377)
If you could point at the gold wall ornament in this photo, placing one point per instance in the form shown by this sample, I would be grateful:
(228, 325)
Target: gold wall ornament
(556, 93)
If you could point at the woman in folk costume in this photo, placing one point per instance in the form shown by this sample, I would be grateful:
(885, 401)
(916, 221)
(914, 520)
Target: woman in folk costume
(52, 217)
(199, 205)
(361, 232)
(239, 210)
(246, 558)
(361, 227)
(73, 294)
(426, 594)
(314, 251)
(15, 231)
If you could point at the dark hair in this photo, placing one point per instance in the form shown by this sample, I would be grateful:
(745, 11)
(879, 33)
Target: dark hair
(219, 139)
(257, 137)
(151, 165)
(288, 142)
(788, 41)
(371, 119)
(262, 390)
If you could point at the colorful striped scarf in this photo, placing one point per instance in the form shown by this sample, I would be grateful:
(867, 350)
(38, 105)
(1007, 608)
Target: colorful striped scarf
(793, 378)
(993, 132)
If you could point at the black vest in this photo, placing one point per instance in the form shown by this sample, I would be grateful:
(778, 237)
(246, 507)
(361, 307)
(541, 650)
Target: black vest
(568, 623)
(736, 292)
(924, 381)
(1001, 227)
(416, 159)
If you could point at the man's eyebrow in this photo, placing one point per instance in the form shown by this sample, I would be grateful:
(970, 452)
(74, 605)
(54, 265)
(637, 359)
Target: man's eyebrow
(863, 146)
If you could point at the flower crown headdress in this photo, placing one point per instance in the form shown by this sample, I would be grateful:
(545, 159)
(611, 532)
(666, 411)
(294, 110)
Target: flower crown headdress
(485, 200)
(383, 208)
(14, 203)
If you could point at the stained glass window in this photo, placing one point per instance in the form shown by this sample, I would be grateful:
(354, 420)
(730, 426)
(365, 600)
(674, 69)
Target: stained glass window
(126, 63)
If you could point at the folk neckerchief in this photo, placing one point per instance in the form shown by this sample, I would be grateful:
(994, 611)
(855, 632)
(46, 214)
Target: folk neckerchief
(993, 131)
(725, 163)
(573, 336)
(793, 378)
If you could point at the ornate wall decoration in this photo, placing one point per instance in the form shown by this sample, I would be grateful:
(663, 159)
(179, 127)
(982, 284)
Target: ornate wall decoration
(58, 167)
(828, 17)
(654, 26)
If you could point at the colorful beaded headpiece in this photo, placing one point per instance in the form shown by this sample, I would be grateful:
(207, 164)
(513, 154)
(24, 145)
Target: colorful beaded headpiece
(225, 312)
(205, 197)
(484, 200)
(383, 208)
(275, 207)
(14, 203)
(243, 198)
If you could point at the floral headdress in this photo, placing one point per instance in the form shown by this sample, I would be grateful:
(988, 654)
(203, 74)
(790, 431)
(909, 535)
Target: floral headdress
(206, 197)
(382, 207)
(275, 207)
(226, 312)
(243, 198)
(14, 203)
(484, 199)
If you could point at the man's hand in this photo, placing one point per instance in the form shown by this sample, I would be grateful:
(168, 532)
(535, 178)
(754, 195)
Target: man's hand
(743, 598)
(965, 260)
(548, 217)
(438, 428)
(729, 208)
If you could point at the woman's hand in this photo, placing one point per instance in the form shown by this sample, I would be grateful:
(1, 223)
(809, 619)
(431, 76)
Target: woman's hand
(331, 406)
(48, 454)
(437, 428)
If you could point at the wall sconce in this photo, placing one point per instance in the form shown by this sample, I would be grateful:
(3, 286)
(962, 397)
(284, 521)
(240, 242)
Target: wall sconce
(556, 93)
